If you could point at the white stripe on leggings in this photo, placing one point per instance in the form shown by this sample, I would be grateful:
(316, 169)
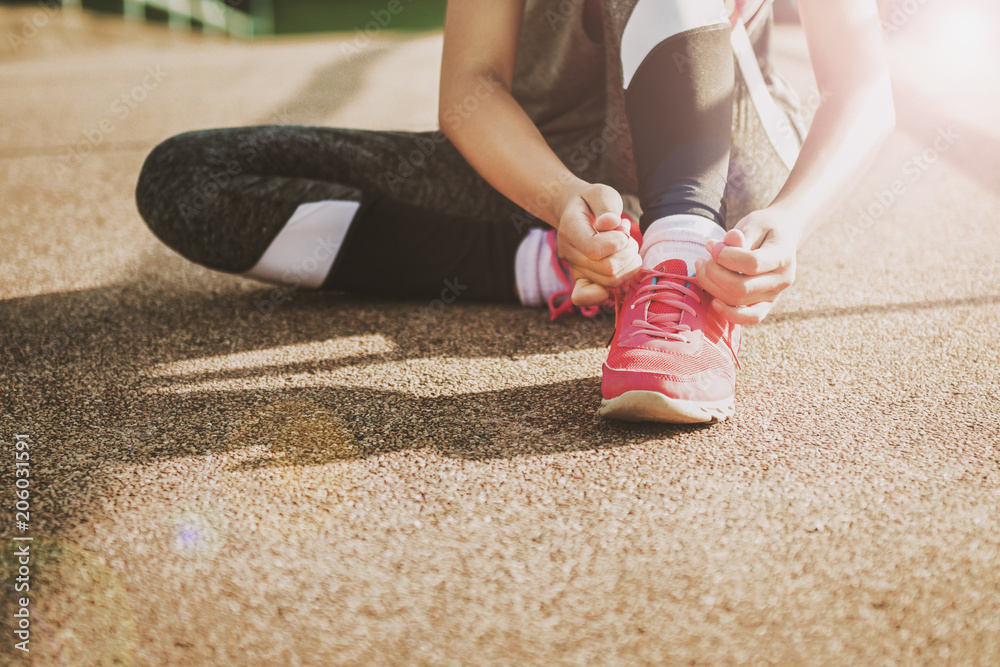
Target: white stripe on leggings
(305, 248)
(775, 122)
(653, 21)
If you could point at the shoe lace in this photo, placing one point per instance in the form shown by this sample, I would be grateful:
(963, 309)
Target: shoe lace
(561, 303)
(671, 290)
(658, 286)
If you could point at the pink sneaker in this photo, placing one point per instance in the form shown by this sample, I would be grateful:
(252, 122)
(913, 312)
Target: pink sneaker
(672, 357)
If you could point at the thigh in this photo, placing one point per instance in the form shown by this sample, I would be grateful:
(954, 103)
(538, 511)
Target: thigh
(220, 196)
(422, 168)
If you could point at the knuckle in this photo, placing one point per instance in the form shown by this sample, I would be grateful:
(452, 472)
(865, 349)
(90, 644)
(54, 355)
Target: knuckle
(622, 271)
(736, 289)
(600, 266)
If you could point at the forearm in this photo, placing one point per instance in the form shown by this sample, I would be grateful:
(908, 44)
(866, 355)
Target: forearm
(855, 116)
(501, 142)
(844, 139)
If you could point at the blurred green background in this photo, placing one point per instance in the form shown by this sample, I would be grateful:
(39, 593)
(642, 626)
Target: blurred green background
(292, 16)
(300, 16)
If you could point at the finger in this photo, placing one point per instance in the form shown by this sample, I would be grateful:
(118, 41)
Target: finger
(587, 293)
(595, 278)
(594, 245)
(743, 315)
(769, 257)
(738, 288)
(624, 226)
(610, 278)
(630, 264)
(608, 222)
(630, 227)
(604, 200)
(753, 233)
(706, 283)
(605, 275)
(736, 239)
(616, 265)
(620, 265)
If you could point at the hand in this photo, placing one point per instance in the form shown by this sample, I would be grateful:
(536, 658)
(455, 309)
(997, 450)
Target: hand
(755, 266)
(595, 242)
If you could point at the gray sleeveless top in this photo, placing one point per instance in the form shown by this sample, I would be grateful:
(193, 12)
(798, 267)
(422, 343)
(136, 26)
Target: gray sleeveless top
(559, 75)
(559, 80)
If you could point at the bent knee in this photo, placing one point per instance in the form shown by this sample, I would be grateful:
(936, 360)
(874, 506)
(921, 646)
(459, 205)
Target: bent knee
(170, 199)
(166, 167)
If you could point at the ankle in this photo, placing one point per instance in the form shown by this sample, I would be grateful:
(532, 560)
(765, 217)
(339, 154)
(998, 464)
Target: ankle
(678, 237)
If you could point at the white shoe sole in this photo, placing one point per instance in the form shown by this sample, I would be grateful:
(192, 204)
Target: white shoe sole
(651, 406)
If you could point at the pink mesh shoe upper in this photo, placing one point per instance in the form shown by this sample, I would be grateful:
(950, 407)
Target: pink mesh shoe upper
(669, 340)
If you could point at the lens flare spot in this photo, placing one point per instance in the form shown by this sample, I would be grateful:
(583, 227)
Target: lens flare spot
(956, 49)
(198, 531)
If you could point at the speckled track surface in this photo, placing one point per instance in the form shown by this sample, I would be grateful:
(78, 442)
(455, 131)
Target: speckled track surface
(379, 482)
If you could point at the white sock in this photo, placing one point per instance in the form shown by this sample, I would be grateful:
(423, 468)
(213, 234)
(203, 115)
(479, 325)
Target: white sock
(678, 237)
(534, 273)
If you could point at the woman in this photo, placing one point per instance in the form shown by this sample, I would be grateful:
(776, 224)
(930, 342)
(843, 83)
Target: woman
(554, 114)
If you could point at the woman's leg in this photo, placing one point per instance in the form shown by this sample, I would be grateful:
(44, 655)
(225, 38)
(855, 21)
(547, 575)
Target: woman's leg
(699, 113)
(681, 60)
(710, 143)
(678, 76)
(368, 212)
